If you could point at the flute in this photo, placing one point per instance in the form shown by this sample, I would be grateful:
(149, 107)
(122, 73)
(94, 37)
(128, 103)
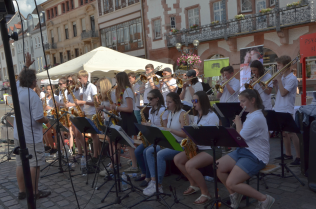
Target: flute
(240, 114)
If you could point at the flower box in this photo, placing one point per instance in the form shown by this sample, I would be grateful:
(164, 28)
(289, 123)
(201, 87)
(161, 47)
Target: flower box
(189, 59)
(240, 17)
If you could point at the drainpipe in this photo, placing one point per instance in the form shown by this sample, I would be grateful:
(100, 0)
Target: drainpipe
(143, 23)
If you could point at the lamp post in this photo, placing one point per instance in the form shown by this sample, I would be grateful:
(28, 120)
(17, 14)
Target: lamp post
(196, 43)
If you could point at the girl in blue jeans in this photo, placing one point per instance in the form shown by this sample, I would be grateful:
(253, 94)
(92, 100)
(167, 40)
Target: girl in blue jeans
(156, 102)
(175, 122)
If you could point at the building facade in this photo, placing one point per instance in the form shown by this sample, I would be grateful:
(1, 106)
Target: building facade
(221, 33)
(72, 29)
(121, 26)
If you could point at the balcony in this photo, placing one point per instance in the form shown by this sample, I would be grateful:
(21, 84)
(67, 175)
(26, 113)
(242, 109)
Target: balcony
(89, 35)
(49, 46)
(273, 20)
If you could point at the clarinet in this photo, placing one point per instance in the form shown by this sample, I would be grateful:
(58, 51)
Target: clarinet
(240, 114)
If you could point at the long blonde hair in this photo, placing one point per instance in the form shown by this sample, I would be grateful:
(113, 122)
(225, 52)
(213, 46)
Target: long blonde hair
(105, 86)
(122, 83)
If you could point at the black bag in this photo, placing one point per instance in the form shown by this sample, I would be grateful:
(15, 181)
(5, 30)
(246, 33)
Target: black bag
(207, 87)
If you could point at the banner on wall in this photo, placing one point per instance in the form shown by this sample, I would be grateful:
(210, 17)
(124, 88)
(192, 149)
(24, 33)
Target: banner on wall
(212, 67)
(247, 55)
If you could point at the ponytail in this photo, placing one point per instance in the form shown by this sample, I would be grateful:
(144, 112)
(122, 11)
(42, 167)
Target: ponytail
(253, 93)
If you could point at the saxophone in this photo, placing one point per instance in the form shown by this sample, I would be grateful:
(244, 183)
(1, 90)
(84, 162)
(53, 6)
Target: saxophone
(187, 143)
(73, 111)
(141, 136)
(113, 120)
(161, 121)
(96, 118)
(66, 120)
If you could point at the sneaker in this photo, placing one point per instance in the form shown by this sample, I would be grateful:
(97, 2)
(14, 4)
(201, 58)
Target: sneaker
(150, 191)
(47, 148)
(266, 204)
(42, 194)
(235, 200)
(52, 151)
(285, 157)
(103, 173)
(131, 170)
(22, 195)
(150, 184)
(140, 178)
(296, 162)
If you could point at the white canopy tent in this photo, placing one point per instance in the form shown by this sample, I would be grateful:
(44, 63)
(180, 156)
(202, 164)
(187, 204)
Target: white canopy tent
(101, 62)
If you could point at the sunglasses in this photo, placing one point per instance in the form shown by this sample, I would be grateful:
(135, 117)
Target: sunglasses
(194, 101)
(69, 81)
(150, 98)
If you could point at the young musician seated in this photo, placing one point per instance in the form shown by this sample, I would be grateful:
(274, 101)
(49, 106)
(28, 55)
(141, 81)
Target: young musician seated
(167, 84)
(238, 166)
(175, 124)
(156, 102)
(204, 116)
(125, 106)
(191, 86)
(258, 70)
(286, 84)
(89, 91)
(230, 88)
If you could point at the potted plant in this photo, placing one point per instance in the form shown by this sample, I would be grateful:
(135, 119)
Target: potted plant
(188, 59)
(294, 4)
(215, 22)
(173, 31)
(240, 17)
(194, 26)
(263, 11)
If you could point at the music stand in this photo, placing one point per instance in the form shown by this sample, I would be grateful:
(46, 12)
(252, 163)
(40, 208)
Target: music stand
(221, 136)
(155, 137)
(229, 112)
(85, 125)
(9, 123)
(280, 121)
(117, 135)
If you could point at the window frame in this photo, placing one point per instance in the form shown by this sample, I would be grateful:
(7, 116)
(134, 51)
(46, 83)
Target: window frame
(271, 3)
(245, 11)
(66, 32)
(74, 28)
(221, 13)
(175, 23)
(194, 16)
(156, 26)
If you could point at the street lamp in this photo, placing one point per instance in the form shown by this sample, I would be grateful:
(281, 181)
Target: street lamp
(188, 50)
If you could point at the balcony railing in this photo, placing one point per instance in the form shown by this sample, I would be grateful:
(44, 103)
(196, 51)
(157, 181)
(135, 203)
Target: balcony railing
(89, 34)
(275, 19)
(50, 46)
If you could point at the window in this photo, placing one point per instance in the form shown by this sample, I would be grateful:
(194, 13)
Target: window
(64, 10)
(68, 55)
(74, 27)
(67, 4)
(92, 23)
(83, 24)
(218, 11)
(52, 11)
(72, 4)
(61, 57)
(260, 4)
(39, 42)
(246, 5)
(272, 2)
(48, 14)
(117, 3)
(76, 52)
(157, 29)
(66, 32)
(55, 11)
(59, 34)
(42, 17)
(81, 2)
(173, 22)
(52, 36)
(106, 4)
(193, 16)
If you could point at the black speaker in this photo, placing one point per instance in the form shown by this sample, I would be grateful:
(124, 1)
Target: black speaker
(312, 157)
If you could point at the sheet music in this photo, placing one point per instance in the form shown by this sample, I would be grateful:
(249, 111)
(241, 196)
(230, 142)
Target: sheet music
(124, 135)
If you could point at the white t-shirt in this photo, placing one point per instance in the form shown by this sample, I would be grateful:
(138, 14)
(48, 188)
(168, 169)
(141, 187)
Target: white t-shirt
(42, 95)
(256, 134)
(36, 113)
(50, 102)
(234, 83)
(210, 119)
(88, 94)
(77, 94)
(165, 90)
(155, 118)
(148, 89)
(266, 99)
(136, 87)
(187, 95)
(200, 79)
(286, 104)
(128, 93)
(174, 123)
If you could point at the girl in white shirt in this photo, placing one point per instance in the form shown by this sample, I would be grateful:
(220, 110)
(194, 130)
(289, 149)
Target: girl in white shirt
(203, 116)
(238, 166)
(156, 102)
(125, 103)
(257, 70)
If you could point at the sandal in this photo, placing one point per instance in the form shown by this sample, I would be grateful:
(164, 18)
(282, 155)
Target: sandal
(208, 199)
(42, 194)
(194, 190)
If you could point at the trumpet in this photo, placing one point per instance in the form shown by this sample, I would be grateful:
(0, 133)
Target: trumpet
(180, 81)
(220, 88)
(251, 85)
(266, 83)
(144, 77)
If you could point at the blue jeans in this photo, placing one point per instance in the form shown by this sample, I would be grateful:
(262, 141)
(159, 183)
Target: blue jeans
(140, 153)
(137, 115)
(162, 156)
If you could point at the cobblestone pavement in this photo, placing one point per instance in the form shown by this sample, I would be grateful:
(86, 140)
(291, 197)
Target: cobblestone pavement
(289, 194)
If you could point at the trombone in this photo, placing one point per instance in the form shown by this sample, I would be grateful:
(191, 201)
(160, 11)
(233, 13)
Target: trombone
(144, 77)
(180, 81)
(251, 85)
(220, 88)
